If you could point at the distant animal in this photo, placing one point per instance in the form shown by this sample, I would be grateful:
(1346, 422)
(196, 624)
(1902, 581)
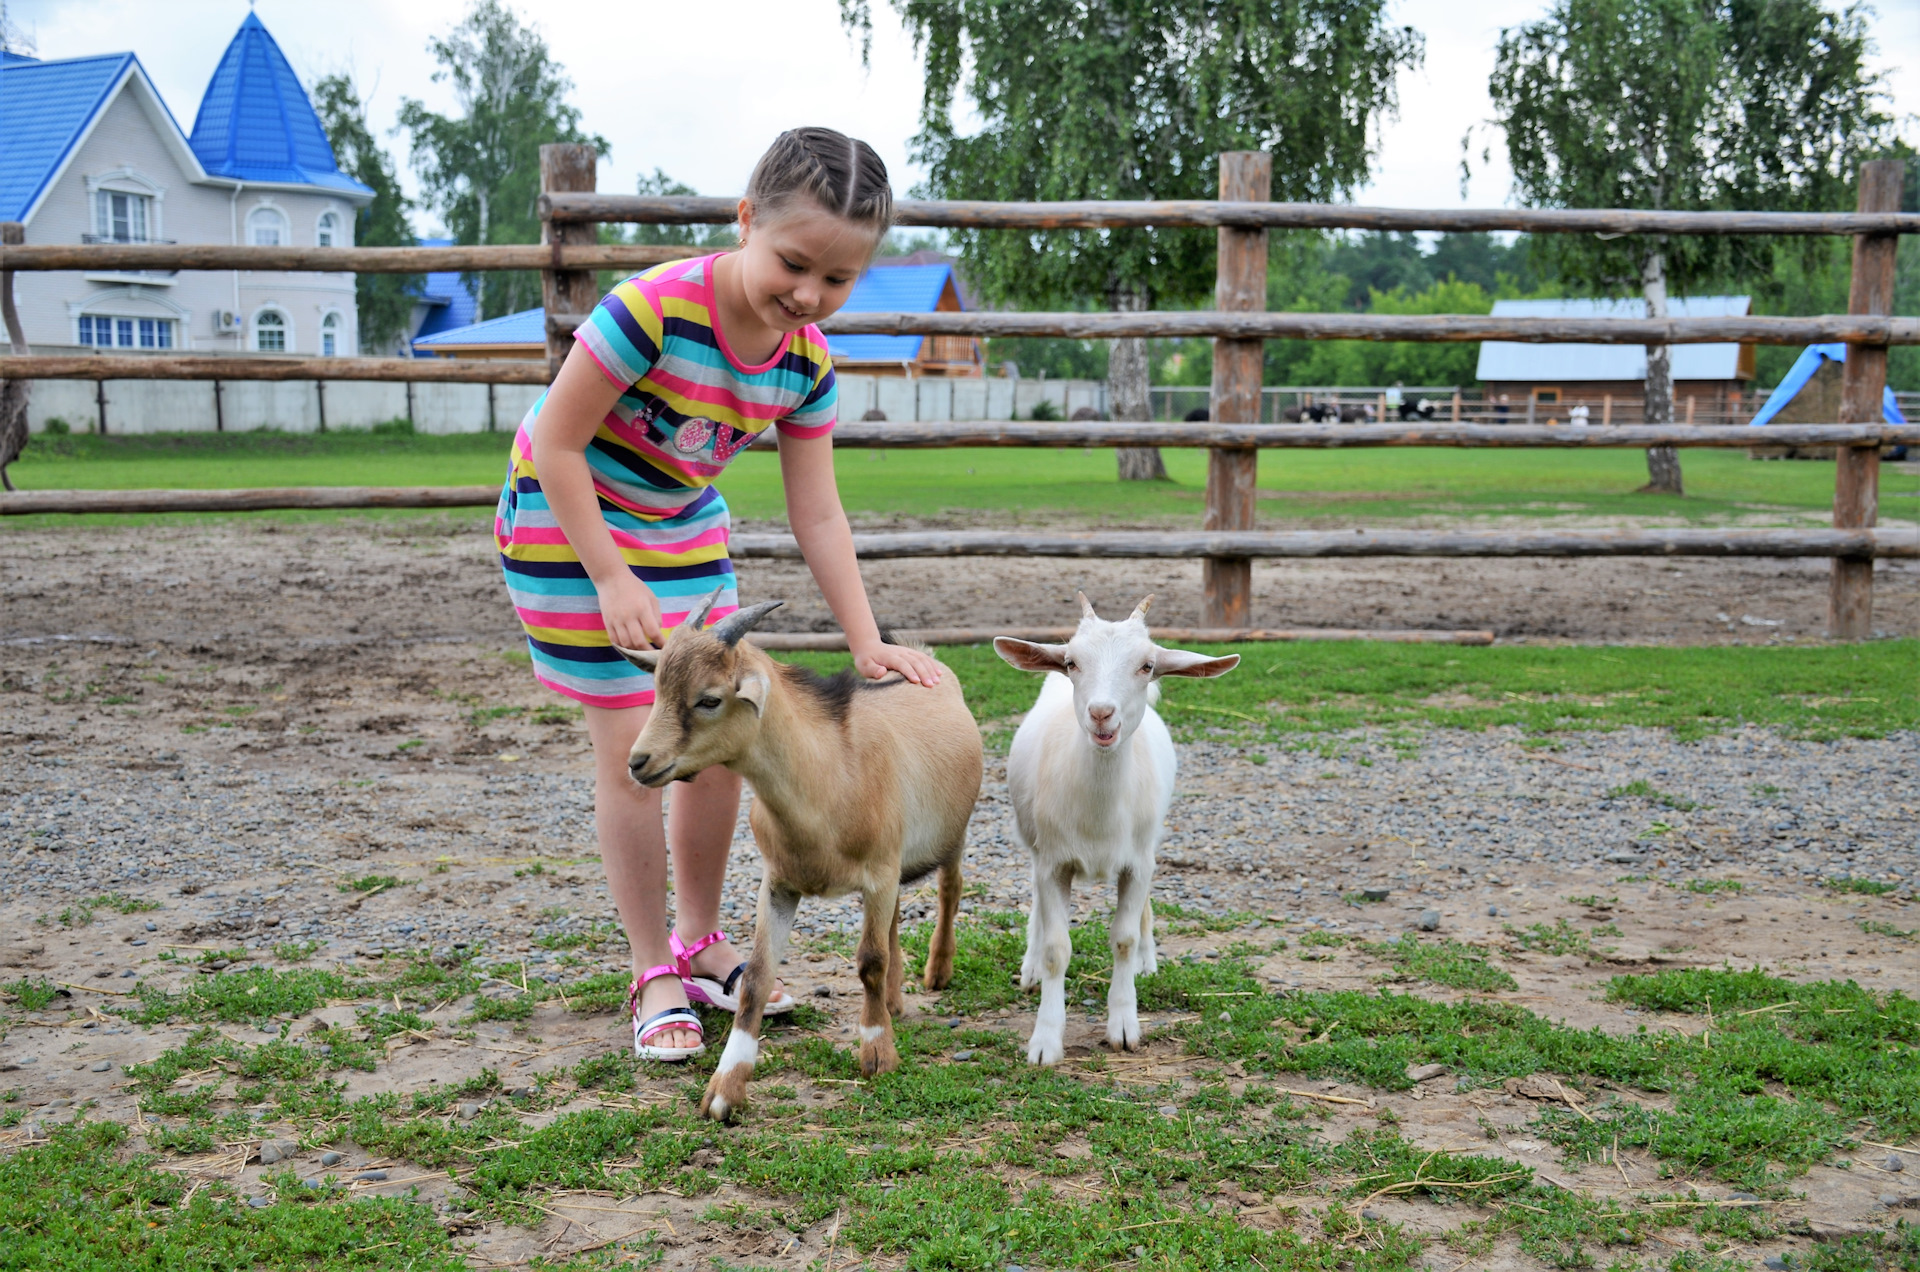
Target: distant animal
(858, 786)
(1198, 415)
(1291, 415)
(1091, 775)
(1354, 414)
(1426, 408)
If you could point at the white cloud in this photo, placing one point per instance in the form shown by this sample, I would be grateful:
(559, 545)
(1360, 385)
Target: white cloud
(700, 91)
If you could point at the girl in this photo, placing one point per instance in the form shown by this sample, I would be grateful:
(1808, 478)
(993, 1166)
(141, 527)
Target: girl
(610, 528)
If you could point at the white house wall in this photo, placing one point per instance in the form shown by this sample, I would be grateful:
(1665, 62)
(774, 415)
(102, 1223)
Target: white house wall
(124, 141)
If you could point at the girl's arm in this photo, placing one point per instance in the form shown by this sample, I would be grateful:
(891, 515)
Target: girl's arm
(826, 540)
(579, 400)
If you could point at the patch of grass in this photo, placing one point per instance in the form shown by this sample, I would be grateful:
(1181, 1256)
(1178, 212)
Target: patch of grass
(593, 936)
(249, 994)
(1709, 887)
(1862, 887)
(370, 884)
(121, 903)
(1454, 964)
(296, 951)
(1561, 938)
(1283, 691)
(481, 717)
(1639, 788)
(555, 713)
(33, 994)
(1875, 927)
(1179, 920)
(1595, 902)
(80, 1202)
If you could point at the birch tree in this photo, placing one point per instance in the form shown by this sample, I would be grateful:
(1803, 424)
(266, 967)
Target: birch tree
(1135, 99)
(1756, 105)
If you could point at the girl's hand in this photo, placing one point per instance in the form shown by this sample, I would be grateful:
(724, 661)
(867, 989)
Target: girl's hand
(877, 660)
(630, 611)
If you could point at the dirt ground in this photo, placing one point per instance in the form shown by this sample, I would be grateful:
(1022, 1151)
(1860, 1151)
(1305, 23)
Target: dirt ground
(231, 718)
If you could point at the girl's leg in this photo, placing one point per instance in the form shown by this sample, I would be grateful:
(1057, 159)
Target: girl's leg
(633, 850)
(701, 815)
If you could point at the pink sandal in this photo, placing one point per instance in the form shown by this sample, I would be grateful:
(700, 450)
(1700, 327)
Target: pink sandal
(661, 1022)
(715, 993)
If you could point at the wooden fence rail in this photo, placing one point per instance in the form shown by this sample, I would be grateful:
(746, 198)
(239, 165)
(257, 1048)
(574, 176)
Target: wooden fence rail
(336, 260)
(576, 208)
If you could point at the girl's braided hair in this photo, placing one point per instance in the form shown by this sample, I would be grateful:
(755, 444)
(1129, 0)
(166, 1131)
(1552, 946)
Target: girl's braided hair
(844, 176)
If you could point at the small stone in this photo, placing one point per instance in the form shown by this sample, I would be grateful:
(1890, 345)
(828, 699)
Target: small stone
(101, 1066)
(312, 1183)
(129, 974)
(1167, 1110)
(1623, 858)
(1743, 1196)
(1015, 1267)
(1429, 921)
(1425, 1072)
(372, 1176)
(1371, 1213)
(259, 1203)
(823, 991)
(1776, 1262)
(1226, 1017)
(1896, 1163)
(152, 926)
(1375, 894)
(519, 1092)
(963, 1055)
(1893, 1201)
(277, 1151)
(1493, 911)
(331, 1158)
(469, 1111)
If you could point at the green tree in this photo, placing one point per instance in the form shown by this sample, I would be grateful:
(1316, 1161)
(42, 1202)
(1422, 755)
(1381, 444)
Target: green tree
(1136, 99)
(480, 170)
(1686, 105)
(385, 301)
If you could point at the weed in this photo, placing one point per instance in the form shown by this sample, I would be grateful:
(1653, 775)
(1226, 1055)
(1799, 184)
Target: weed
(1446, 962)
(481, 717)
(250, 994)
(1708, 887)
(555, 713)
(1875, 927)
(31, 994)
(1864, 887)
(1763, 790)
(1641, 789)
(533, 871)
(121, 903)
(296, 951)
(370, 884)
(1595, 902)
(1561, 938)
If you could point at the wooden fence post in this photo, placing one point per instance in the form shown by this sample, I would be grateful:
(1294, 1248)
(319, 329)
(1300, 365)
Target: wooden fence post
(1856, 478)
(13, 394)
(1246, 176)
(568, 168)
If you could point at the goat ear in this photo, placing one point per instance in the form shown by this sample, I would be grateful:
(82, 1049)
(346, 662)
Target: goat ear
(644, 659)
(1086, 606)
(1030, 656)
(1180, 662)
(752, 690)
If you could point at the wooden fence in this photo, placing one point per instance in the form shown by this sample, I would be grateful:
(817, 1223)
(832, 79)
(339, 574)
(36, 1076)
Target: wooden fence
(569, 256)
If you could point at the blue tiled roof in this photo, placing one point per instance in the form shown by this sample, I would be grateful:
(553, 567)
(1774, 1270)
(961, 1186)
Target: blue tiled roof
(890, 289)
(45, 108)
(1545, 363)
(256, 124)
(452, 304)
(528, 327)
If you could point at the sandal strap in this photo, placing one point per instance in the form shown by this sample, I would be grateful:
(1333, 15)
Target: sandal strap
(733, 978)
(651, 974)
(684, 954)
(671, 1018)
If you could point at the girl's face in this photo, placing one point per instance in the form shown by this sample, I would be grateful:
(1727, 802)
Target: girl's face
(800, 266)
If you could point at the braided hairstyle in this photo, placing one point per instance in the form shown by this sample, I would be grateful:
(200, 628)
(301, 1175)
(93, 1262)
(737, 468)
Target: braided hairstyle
(840, 174)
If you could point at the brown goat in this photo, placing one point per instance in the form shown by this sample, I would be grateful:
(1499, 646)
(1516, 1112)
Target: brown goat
(858, 786)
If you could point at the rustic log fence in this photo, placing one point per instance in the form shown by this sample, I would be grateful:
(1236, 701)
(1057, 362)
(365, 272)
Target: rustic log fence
(568, 257)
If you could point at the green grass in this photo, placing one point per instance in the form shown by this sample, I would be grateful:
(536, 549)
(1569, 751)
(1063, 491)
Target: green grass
(32, 995)
(1862, 887)
(1368, 484)
(1281, 692)
(372, 885)
(1639, 788)
(1453, 964)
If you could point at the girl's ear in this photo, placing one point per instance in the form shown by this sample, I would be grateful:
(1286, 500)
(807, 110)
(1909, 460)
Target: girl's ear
(743, 213)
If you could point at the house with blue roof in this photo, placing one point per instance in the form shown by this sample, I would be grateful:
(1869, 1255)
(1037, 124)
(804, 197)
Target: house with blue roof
(1544, 382)
(89, 153)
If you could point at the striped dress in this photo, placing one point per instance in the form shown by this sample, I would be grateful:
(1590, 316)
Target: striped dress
(688, 406)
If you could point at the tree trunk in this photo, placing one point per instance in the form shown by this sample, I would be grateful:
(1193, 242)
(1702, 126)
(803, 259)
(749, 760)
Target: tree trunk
(1127, 395)
(480, 277)
(13, 393)
(1663, 462)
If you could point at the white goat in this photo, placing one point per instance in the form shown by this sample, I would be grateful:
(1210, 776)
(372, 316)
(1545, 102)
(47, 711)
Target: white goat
(1091, 776)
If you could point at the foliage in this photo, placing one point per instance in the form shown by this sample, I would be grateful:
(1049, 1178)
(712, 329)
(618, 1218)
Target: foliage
(1865, 887)
(385, 301)
(31, 994)
(480, 170)
(1453, 964)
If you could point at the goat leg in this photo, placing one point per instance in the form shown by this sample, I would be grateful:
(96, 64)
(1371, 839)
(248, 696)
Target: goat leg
(727, 1089)
(879, 910)
(1050, 919)
(896, 968)
(1123, 1016)
(1149, 948)
(939, 970)
(1030, 961)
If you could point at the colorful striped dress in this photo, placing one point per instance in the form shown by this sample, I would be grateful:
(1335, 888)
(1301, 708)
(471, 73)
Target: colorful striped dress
(688, 406)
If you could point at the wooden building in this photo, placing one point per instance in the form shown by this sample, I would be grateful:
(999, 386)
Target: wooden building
(1712, 383)
(914, 286)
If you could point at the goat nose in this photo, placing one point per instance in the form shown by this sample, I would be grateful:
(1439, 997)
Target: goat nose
(637, 764)
(1100, 712)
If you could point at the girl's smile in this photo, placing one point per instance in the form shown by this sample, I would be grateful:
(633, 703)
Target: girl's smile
(791, 270)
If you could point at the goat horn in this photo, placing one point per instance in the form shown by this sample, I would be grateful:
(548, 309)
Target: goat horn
(694, 622)
(1140, 610)
(1086, 606)
(730, 629)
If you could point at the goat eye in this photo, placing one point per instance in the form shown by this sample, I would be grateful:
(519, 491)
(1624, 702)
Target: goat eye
(708, 703)
(1072, 665)
(1146, 669)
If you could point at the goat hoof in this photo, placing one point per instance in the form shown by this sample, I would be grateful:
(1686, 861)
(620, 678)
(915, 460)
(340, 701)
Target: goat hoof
(877, 1057)
(1045, 1051)
(897, 1006)
(934, 979)
(726, 1094)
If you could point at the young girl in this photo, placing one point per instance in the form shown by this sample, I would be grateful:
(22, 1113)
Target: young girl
(611, 531)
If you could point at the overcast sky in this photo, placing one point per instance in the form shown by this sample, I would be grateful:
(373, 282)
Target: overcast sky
(750, 68)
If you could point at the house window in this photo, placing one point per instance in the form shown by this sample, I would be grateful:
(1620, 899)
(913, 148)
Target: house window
(330, 336)
(270, 332)
(266, 228)
(121, 218)
(328, 235)
(101, 331)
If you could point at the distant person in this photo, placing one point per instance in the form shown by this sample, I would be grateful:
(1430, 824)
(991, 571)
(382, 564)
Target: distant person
(611, 531)
(1578, 415)
(1500, 409)
(1396, 400)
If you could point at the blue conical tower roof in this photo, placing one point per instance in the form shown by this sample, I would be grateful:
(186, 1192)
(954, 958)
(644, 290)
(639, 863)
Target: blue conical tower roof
(256, 124)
